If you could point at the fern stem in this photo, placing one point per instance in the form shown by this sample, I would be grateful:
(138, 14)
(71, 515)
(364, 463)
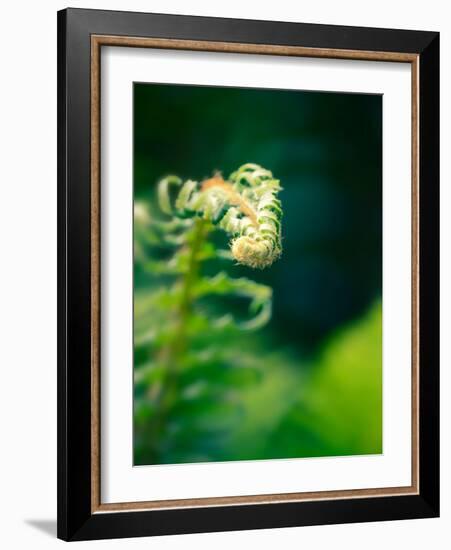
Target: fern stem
(173, 352)
(199, 234)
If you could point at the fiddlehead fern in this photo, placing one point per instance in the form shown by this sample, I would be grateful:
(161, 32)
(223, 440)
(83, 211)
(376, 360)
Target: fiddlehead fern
(246, 207)
(176, 332)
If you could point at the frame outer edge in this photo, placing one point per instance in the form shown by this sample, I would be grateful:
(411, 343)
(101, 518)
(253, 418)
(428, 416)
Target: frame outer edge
(195, 27)
(429, 274)
(74, 375)
(62, 496)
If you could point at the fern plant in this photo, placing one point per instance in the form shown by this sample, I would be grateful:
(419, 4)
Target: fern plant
(190, 359)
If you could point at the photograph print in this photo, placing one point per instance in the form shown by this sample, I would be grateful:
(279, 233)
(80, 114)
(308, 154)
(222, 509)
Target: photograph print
(257, 274)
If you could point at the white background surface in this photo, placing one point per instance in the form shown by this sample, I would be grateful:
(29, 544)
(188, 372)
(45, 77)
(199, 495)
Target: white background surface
(28, 274)
(120, 482)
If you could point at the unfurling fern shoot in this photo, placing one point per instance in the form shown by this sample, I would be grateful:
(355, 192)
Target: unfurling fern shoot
(177, 343)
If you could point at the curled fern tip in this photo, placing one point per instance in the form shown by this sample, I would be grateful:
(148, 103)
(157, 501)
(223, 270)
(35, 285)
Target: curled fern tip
(245, 206)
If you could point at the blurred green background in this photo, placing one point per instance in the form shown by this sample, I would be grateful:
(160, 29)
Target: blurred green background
(317, 389)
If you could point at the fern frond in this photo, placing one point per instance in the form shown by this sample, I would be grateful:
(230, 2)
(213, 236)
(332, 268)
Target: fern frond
(189, 364)
(245, 206)
(260, 296)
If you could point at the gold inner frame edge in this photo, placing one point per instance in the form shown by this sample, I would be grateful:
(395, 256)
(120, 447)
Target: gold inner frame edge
(97, 41)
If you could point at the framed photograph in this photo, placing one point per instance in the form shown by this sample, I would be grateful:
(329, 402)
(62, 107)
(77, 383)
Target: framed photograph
(248, 274)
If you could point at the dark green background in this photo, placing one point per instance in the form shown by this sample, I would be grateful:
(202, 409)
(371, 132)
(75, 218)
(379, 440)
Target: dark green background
(326, 148)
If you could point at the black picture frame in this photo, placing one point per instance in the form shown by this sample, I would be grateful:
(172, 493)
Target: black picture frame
(76, 520)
